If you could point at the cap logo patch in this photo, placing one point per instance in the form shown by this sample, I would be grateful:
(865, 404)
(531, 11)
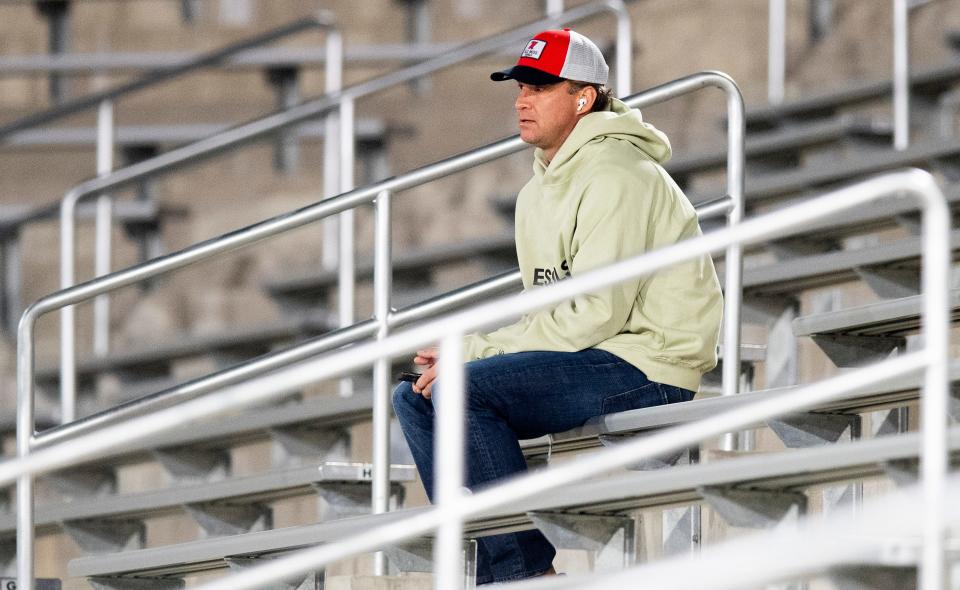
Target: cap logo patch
(534, 49)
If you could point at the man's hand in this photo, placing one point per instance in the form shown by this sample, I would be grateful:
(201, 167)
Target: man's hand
(428, 358)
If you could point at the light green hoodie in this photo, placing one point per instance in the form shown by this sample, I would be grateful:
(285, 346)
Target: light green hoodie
(605, 197)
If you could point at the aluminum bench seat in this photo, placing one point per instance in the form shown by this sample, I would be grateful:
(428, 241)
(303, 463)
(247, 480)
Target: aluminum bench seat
(885, 318)
(270, 486)
(761, 188)
(254, 424)
(892, 393)
(255, 58)
(324, 412)
(806, 467)
(807, 272)
(309, 287)
(173, 134)
(759, 147)
(158, 356)
(125, 211)
(929, 81)
(778, 277)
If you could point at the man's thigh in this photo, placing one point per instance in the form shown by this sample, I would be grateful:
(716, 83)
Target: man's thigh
(543, 392)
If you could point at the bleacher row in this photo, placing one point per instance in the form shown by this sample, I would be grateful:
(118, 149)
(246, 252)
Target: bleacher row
(309, 436)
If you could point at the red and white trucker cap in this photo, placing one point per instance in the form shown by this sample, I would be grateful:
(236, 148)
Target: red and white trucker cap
(554, 56)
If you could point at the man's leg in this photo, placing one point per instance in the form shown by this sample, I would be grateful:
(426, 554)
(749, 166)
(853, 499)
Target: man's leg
(524, 395)
(499, 557)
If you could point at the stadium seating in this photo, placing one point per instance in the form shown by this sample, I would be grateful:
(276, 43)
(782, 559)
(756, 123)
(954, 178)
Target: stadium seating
(308, 445)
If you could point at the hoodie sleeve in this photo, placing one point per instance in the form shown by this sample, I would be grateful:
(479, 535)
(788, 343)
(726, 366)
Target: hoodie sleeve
(614, 219)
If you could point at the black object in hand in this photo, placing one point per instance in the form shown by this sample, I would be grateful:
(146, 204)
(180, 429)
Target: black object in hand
(409, 377)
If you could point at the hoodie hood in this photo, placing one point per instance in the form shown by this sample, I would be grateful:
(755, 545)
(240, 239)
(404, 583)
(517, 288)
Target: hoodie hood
(618, 122)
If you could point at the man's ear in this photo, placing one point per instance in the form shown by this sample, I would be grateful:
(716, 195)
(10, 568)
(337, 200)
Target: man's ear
(589, 93)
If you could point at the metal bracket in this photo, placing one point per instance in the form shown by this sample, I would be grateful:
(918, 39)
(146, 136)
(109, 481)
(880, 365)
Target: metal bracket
(286, 84)
(189, 10)
(886, 422)
(352, 498)
(903, 472)
(847, 350)
(148, 237)
(418, 31)
(610, 539)
(417, 556)
(186, 465)
(681, 531)
(84, 482)
(11, 279)
(542, 460)
(104, 583)
(954, 402)
(821, 19)
(842, 497)
(777, 313)
(890, 283)
(57, 13)
(873, 577)
(797, 247)
(909, 221)
(756, 509)
(218, 519)
(682, 457)
(8, 557)
(106, 536)
(948, 166)
(814, 429)
(300, 446)
(312, 581)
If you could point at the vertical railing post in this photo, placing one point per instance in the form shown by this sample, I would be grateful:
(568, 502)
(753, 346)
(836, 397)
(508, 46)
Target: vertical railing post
(104, 228)
(624, 54)
(733, 260)
(935, 400)
(346, 274)
(11, 276)
(333, 75)
(382, 288)
(26, 425)
(901, 74)
(554, 7)
(777, 51)
(449, 458)
(68, 320)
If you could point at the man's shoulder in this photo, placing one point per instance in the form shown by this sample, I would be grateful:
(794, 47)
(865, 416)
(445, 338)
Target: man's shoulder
(616, 157)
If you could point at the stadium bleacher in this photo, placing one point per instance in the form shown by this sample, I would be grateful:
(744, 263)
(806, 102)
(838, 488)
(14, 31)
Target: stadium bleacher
(830, 458)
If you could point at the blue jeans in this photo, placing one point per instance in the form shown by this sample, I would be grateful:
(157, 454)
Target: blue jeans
(519, 396)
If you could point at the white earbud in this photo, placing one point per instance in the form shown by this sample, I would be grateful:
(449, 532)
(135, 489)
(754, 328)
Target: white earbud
(581, 103)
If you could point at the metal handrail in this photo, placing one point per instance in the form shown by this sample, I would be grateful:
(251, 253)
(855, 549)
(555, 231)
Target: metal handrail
(453, 505)
(776, 63)
(473, 293)
(63, 299)
(104, 102)
(452, 300)
(254, 130)
(322, 19)
(869, 536)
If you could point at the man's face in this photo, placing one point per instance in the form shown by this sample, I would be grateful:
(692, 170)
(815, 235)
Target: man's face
(546, 115)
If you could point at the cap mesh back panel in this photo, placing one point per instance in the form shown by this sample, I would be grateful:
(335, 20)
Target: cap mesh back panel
(584, 63)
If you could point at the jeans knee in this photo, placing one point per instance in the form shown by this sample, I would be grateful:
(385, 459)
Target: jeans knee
(402, 394)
